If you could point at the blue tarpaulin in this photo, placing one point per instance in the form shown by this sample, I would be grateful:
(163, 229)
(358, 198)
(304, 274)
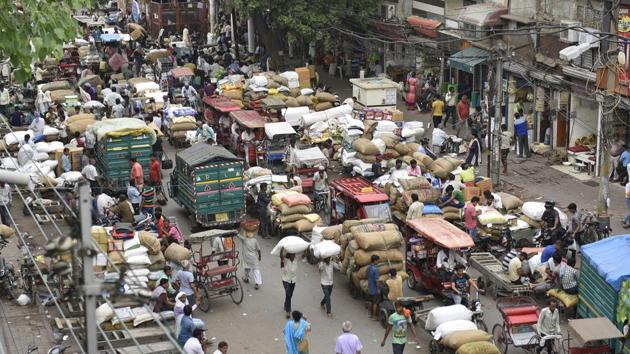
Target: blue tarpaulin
(610, 259)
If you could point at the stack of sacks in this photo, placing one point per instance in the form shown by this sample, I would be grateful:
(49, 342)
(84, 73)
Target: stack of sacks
(533, 211)
(181, 125)
(12, 140)
(380, 239)
(324, 116)
(510, 202)
(154, 249)
(411, 130)
(331, 233)
(443, 166)
(256, 90)
(51, 133)
(457, 339)
(369, 151)
(291, 79)
(409, 186)
(325, 101)
(232, 89)
(295, 213)
(255, 172)
(79, 123)
(346, 236)
(351, 130)
(176, 253)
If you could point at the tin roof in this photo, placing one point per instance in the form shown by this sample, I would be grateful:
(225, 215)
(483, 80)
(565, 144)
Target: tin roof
(249, 119)
(360, 189)
(199, 154)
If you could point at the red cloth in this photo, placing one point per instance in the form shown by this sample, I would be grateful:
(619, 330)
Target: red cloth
(470, 216)
(463, 109)
(154, 171)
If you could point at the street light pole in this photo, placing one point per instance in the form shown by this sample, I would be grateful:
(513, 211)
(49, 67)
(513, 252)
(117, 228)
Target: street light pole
(495, 158)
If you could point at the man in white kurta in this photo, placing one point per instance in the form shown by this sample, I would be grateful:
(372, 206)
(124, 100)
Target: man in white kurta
(251, 257)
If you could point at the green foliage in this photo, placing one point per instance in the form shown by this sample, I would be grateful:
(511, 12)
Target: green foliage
(32, 29)
(306, 20)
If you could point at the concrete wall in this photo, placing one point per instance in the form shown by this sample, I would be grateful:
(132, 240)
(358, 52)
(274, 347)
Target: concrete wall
(525, 8)
(585, 122)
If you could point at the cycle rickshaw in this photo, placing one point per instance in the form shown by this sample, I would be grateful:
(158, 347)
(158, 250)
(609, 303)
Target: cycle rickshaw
(216, 273)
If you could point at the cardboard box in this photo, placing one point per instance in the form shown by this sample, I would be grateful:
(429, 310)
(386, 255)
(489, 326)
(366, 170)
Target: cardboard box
(115, 246)
(397, 116)
(75, 158)
(470, 192)
(484, 185)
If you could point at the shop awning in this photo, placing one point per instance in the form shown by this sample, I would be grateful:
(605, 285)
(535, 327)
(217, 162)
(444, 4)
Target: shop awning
(468, 58)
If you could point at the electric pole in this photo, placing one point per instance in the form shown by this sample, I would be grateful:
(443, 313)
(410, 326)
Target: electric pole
(604, 165)
(91, 286)
(495, 158)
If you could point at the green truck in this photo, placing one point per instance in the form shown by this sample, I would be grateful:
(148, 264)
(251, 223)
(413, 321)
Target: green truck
(208, 182)
(113, 153)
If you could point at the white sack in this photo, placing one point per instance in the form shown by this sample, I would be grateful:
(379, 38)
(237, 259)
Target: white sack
(443, 314)
(291, 244)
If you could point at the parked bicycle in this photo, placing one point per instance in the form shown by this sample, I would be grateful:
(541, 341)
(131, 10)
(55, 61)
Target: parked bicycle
(593, 229)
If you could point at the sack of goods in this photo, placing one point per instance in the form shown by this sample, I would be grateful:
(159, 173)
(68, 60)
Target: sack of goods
(177, 253)
(456, 339)
(491, 216)
(478, 348)
(290, 244)
(444, 314)
(443, 166)
(449, 327)
(183, 124)
(326, 249)
(509, 201)
(535, 210)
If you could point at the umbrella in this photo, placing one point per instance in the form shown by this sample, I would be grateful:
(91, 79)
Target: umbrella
(93, 104)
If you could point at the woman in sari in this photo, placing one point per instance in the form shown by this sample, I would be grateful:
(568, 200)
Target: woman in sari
(296, 334)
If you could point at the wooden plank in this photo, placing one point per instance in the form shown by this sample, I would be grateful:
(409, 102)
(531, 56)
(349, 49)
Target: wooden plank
(153, 348)
(123, 339)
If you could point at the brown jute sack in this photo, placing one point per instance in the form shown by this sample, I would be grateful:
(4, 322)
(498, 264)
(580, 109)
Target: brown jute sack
(375, 241)
(383, 268)
(362, 258)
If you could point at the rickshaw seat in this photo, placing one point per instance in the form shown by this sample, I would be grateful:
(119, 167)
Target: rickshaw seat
(307, 182)
(521, 310)
(215, 271)
(529, 318)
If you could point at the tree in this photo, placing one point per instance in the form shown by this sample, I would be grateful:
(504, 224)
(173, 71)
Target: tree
(299, 20)
(33, 29)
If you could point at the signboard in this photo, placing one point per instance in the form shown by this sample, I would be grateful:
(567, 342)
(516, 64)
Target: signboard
(623, 25)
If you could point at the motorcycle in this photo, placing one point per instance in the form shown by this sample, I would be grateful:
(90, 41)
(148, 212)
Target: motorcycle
(7, 278)
(544, 237)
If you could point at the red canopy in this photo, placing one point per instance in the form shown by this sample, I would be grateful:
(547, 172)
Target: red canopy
(181, 72)
(424, 26)
(221, 103)
(441, 232)
(249, 119)
(360, 189)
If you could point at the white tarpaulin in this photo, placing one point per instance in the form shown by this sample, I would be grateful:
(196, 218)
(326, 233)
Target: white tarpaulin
(293, 115)
(310, 157)
(279, 128)
(335, 112)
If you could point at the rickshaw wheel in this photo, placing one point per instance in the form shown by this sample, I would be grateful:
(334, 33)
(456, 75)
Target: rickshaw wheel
(434, 347)
(237, 293)
(383, 317)
(204, 302)
(411, 280)
(499, 338)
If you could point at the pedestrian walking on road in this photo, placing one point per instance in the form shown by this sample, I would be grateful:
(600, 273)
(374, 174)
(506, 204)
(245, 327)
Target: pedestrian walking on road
(397, 324)
(506, 141)
(437, 110)
(463, 114)
(372, 277)
(326, 270)
(348, 343)
(520, 128)
(288, 265)
(451, 103)
(251, 258)
(296, 334)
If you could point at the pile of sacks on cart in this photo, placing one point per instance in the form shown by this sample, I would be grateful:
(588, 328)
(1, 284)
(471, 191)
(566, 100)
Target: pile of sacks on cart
(144, 258)
(293, 88)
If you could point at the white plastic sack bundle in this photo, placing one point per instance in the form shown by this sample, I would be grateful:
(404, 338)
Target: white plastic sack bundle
(335, 112)
(50, 163)
(23, 300)
(535, 210)
(50, 130)
(411, 129)
(291, 244)
(16, 137)
(293, 78)
(293, 115)
(443, 314)
(104, 313)
(55, 145)
(40, 156)
(42, 146)
(325, 249)
(25, 154)
(449, 327)
(316, 235)
(380, 144)
(72, 176)
(260, 81)
(386, 126)
(306, 91)
(10, 163)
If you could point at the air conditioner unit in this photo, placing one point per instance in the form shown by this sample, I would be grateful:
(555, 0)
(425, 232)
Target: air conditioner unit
(570, 35)
(586, 36)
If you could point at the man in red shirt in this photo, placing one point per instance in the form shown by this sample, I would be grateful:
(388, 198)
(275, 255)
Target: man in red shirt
(155, 173)
(137, 174)
(463, 113)
(470, 217)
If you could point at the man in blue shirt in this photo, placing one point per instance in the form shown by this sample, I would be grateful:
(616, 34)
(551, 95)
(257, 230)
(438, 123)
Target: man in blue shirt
(548, 251)
(372, 277)
(520, 128)
(186, 326)
(622, 167)
(65, 160)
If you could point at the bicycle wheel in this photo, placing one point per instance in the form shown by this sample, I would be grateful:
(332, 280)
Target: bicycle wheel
(589, 236)
(237, 293)
(204, 301)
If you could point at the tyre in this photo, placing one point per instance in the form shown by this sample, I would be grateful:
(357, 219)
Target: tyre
(434, 347)
(237, 293)
(499, 338)
(204, 302)
(411, 280)
(383, 317)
